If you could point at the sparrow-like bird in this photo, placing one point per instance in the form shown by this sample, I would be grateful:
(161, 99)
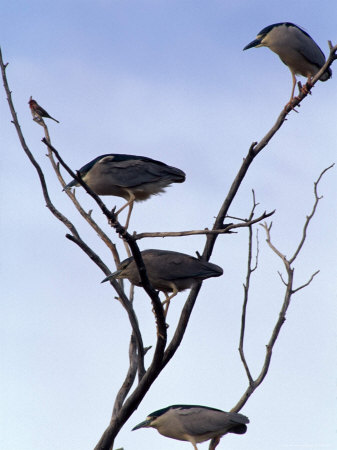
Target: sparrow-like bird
(37, 110)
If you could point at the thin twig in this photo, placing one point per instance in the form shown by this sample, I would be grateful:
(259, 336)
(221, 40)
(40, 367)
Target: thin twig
(257, 251)
(281, 277)
(311, 215)
(307, 283)
(246, 287)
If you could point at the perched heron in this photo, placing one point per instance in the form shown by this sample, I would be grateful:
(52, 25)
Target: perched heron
(135, 178)
(168, 271)
(295, 48)
(195, 424)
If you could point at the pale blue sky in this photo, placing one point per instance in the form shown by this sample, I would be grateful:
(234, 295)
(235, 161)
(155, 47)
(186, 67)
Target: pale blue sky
(168, 80)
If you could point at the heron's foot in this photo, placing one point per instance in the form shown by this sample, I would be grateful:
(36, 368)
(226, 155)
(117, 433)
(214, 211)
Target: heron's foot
(290, 105)
(110, 221)
(306, 88)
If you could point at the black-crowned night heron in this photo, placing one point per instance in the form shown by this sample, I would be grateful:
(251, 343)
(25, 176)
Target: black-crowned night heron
(295, 48)
(195, 424)
(168, 271)
(135, 178)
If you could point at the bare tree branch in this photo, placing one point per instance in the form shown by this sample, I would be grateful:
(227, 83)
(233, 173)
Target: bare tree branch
(37, 167)
(290, 290)
(307, 283)
(129, 379)
(253, 384)
(246, 287)
(281, 276)
(206, 231)
(311, 215)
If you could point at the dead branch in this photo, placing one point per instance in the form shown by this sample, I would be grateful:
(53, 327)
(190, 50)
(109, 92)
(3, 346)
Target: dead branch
(311, 215)
(246, 286)
(307, 283)
(289, 291)
(206, 231)
(129, 378)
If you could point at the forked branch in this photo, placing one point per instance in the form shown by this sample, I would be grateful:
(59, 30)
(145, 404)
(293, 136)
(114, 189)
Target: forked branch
(288, 281)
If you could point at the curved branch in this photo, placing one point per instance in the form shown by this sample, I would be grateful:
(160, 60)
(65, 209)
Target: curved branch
(129, 378)
(311, 215)
(36, 165)
(123, 298)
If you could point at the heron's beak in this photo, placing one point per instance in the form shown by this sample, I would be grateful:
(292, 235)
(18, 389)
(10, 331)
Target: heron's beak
(112, 275)
(146, 423)
(70, 185)
(252, 44)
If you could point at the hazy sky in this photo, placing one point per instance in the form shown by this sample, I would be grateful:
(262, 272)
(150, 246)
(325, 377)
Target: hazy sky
(168, 80)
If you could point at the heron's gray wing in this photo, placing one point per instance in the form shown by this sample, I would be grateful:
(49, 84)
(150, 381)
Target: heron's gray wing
(185, 266)
(199, 421)
(135, 172)
(308, 48)
(176, 265)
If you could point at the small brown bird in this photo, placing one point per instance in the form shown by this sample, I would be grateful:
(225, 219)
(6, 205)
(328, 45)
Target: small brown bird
(37, 110)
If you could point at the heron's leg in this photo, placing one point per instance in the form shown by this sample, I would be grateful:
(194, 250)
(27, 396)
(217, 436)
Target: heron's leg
(126, 226)
(127, 248)
(289, 104)
(168, 298)
(129, 203)
(214, 443)
(293, 89)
